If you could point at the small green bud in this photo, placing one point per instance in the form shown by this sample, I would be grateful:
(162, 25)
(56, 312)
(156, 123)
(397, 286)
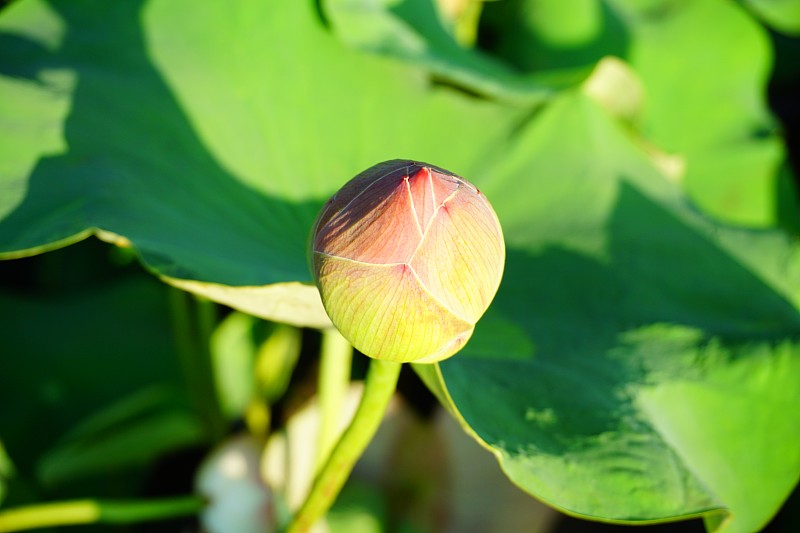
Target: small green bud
(407, 257)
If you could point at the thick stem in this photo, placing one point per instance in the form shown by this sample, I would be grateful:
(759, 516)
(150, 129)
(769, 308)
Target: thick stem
(193, 325)
(334, 378)
(378, 390)
(94, 511)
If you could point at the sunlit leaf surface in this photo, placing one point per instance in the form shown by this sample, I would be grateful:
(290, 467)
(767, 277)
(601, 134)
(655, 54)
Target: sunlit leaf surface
(638, 362)
(705, 89)
(210, 149)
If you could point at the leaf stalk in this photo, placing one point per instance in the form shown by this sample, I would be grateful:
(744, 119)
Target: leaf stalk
(379, 387)
(97, 511)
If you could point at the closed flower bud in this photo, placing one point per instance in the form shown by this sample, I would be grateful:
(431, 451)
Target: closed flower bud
(407, 257)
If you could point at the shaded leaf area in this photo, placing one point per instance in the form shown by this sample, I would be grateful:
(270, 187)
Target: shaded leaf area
(732, 150)
(212, 160)
(638, 362)
(704, 90)
(781, 15)
(417, 32)
(91, 390)
(553, 34)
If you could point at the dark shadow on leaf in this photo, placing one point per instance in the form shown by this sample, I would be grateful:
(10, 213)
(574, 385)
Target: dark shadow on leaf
(422, 15)
(21, 57)
(136, 167)
(505, 32)
(560, 300)
(601, 329)
(679, 275)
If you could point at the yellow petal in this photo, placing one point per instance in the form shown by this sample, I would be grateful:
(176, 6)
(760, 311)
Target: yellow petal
(386, 313)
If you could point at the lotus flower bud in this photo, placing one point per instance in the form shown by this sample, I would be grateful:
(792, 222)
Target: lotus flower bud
(407, 257)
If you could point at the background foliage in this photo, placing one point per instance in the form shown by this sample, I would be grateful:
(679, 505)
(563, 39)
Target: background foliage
(640, 362)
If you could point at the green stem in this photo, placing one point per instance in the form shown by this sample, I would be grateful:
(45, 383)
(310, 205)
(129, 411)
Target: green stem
(378, 390)
(193, 325)
(334, 378)
(94, 511)
(206, 323)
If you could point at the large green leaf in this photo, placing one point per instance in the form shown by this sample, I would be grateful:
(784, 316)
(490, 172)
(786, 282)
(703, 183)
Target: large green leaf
(704, 87)
(783, 15)
(638, 362)
(416, 31)
(705, 101)
(210, 149)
